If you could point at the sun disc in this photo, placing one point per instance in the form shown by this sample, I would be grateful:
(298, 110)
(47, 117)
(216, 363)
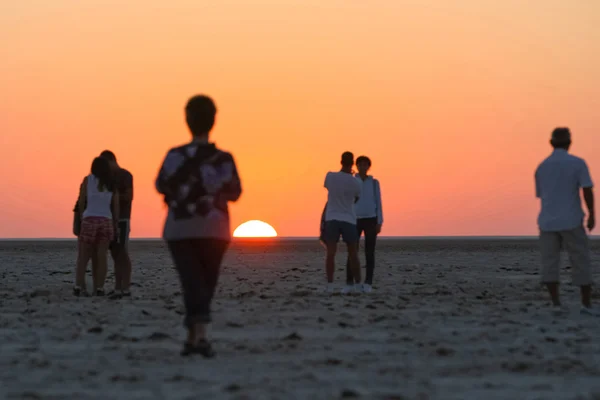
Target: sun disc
(254, 228)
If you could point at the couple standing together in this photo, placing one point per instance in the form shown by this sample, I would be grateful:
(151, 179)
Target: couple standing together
(353, 207)
(197, 181)
(101, 222)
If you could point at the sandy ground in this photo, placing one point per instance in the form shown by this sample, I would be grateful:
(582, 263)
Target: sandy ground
(451, 319)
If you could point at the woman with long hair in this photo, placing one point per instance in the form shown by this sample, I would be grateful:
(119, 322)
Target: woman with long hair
(98, 207)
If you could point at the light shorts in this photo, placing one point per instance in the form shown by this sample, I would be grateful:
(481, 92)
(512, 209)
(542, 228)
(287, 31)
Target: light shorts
(576, 243)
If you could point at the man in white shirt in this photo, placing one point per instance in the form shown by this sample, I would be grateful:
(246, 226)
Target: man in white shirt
(369, 218)
(343, 190)
(558, 181)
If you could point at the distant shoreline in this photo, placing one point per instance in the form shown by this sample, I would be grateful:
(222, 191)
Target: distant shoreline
(305, 238)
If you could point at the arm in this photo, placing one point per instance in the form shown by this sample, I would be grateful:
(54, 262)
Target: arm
(588, 196)
(115, 208)
(126, 194)
(326, 180)
(82, 197)
(232, 190)
(159, 182)
(169, 166)
(378, 202)
(585, 181)
(538, 193)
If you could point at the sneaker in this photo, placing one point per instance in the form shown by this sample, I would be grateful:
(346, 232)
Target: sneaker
(560, 311)
(114, 295)
(99, 292)
(330, 288)
(348, 289)
(203, 348)
(590, 311)
(366, 288)
(78, 291)
(118, 294)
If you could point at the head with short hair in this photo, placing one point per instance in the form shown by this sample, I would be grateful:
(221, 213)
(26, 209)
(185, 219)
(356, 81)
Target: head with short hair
(200, 113)
(363, 163)
(347, 159)
(110, 157)
(561, 138)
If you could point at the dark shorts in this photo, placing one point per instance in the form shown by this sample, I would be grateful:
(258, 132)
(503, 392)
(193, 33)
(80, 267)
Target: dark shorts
(121, 241)
(335, 229)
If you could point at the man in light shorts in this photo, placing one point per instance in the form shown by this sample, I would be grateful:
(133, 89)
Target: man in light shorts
(343, 190)
(558, 181)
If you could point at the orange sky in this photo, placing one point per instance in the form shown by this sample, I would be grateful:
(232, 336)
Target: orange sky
(454, 102)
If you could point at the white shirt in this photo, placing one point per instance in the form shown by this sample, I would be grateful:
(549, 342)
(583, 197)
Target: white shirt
(558, 182)
(343, 190)
(98, 202)
(369, 203)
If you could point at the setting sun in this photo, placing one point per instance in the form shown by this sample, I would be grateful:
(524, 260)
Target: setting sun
(254, 228)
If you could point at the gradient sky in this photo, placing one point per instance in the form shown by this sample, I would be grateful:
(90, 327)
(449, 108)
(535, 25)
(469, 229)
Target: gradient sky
(454, 101)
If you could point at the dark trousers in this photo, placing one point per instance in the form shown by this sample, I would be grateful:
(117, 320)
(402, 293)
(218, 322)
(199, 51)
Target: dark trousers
(369, 227)
(198, 263)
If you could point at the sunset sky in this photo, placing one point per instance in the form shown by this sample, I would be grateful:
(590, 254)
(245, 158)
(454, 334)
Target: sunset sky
(454, 102)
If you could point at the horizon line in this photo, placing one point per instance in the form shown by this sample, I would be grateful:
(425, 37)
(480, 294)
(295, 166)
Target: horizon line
(447, 237)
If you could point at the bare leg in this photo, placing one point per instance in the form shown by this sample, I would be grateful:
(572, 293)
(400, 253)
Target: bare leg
(553, 291)
(196, 333)
(116, 254)
(354, 261)
(586, 295)
(101, 254)
(330, 261)
(85, 252)
(94, 257)
(126, 271)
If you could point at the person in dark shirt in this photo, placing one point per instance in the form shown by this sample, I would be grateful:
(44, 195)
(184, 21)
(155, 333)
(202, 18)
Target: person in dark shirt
(119, 248)
(197, 181)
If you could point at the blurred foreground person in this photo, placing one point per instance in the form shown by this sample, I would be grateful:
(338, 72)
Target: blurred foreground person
(197, 181)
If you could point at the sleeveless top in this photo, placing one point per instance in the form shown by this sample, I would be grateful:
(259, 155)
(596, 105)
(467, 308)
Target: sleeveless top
(98, 203)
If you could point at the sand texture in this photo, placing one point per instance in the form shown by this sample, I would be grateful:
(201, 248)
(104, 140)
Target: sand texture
(449, 319)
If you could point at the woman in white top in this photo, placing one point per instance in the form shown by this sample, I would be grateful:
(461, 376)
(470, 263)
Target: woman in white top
(98, 206)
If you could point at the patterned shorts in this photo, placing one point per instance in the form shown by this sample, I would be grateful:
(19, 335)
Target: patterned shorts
(96, 230)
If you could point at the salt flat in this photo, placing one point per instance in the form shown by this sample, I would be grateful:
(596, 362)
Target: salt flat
(449, 319)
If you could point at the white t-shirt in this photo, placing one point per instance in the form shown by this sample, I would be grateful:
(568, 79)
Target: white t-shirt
(343, 190)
